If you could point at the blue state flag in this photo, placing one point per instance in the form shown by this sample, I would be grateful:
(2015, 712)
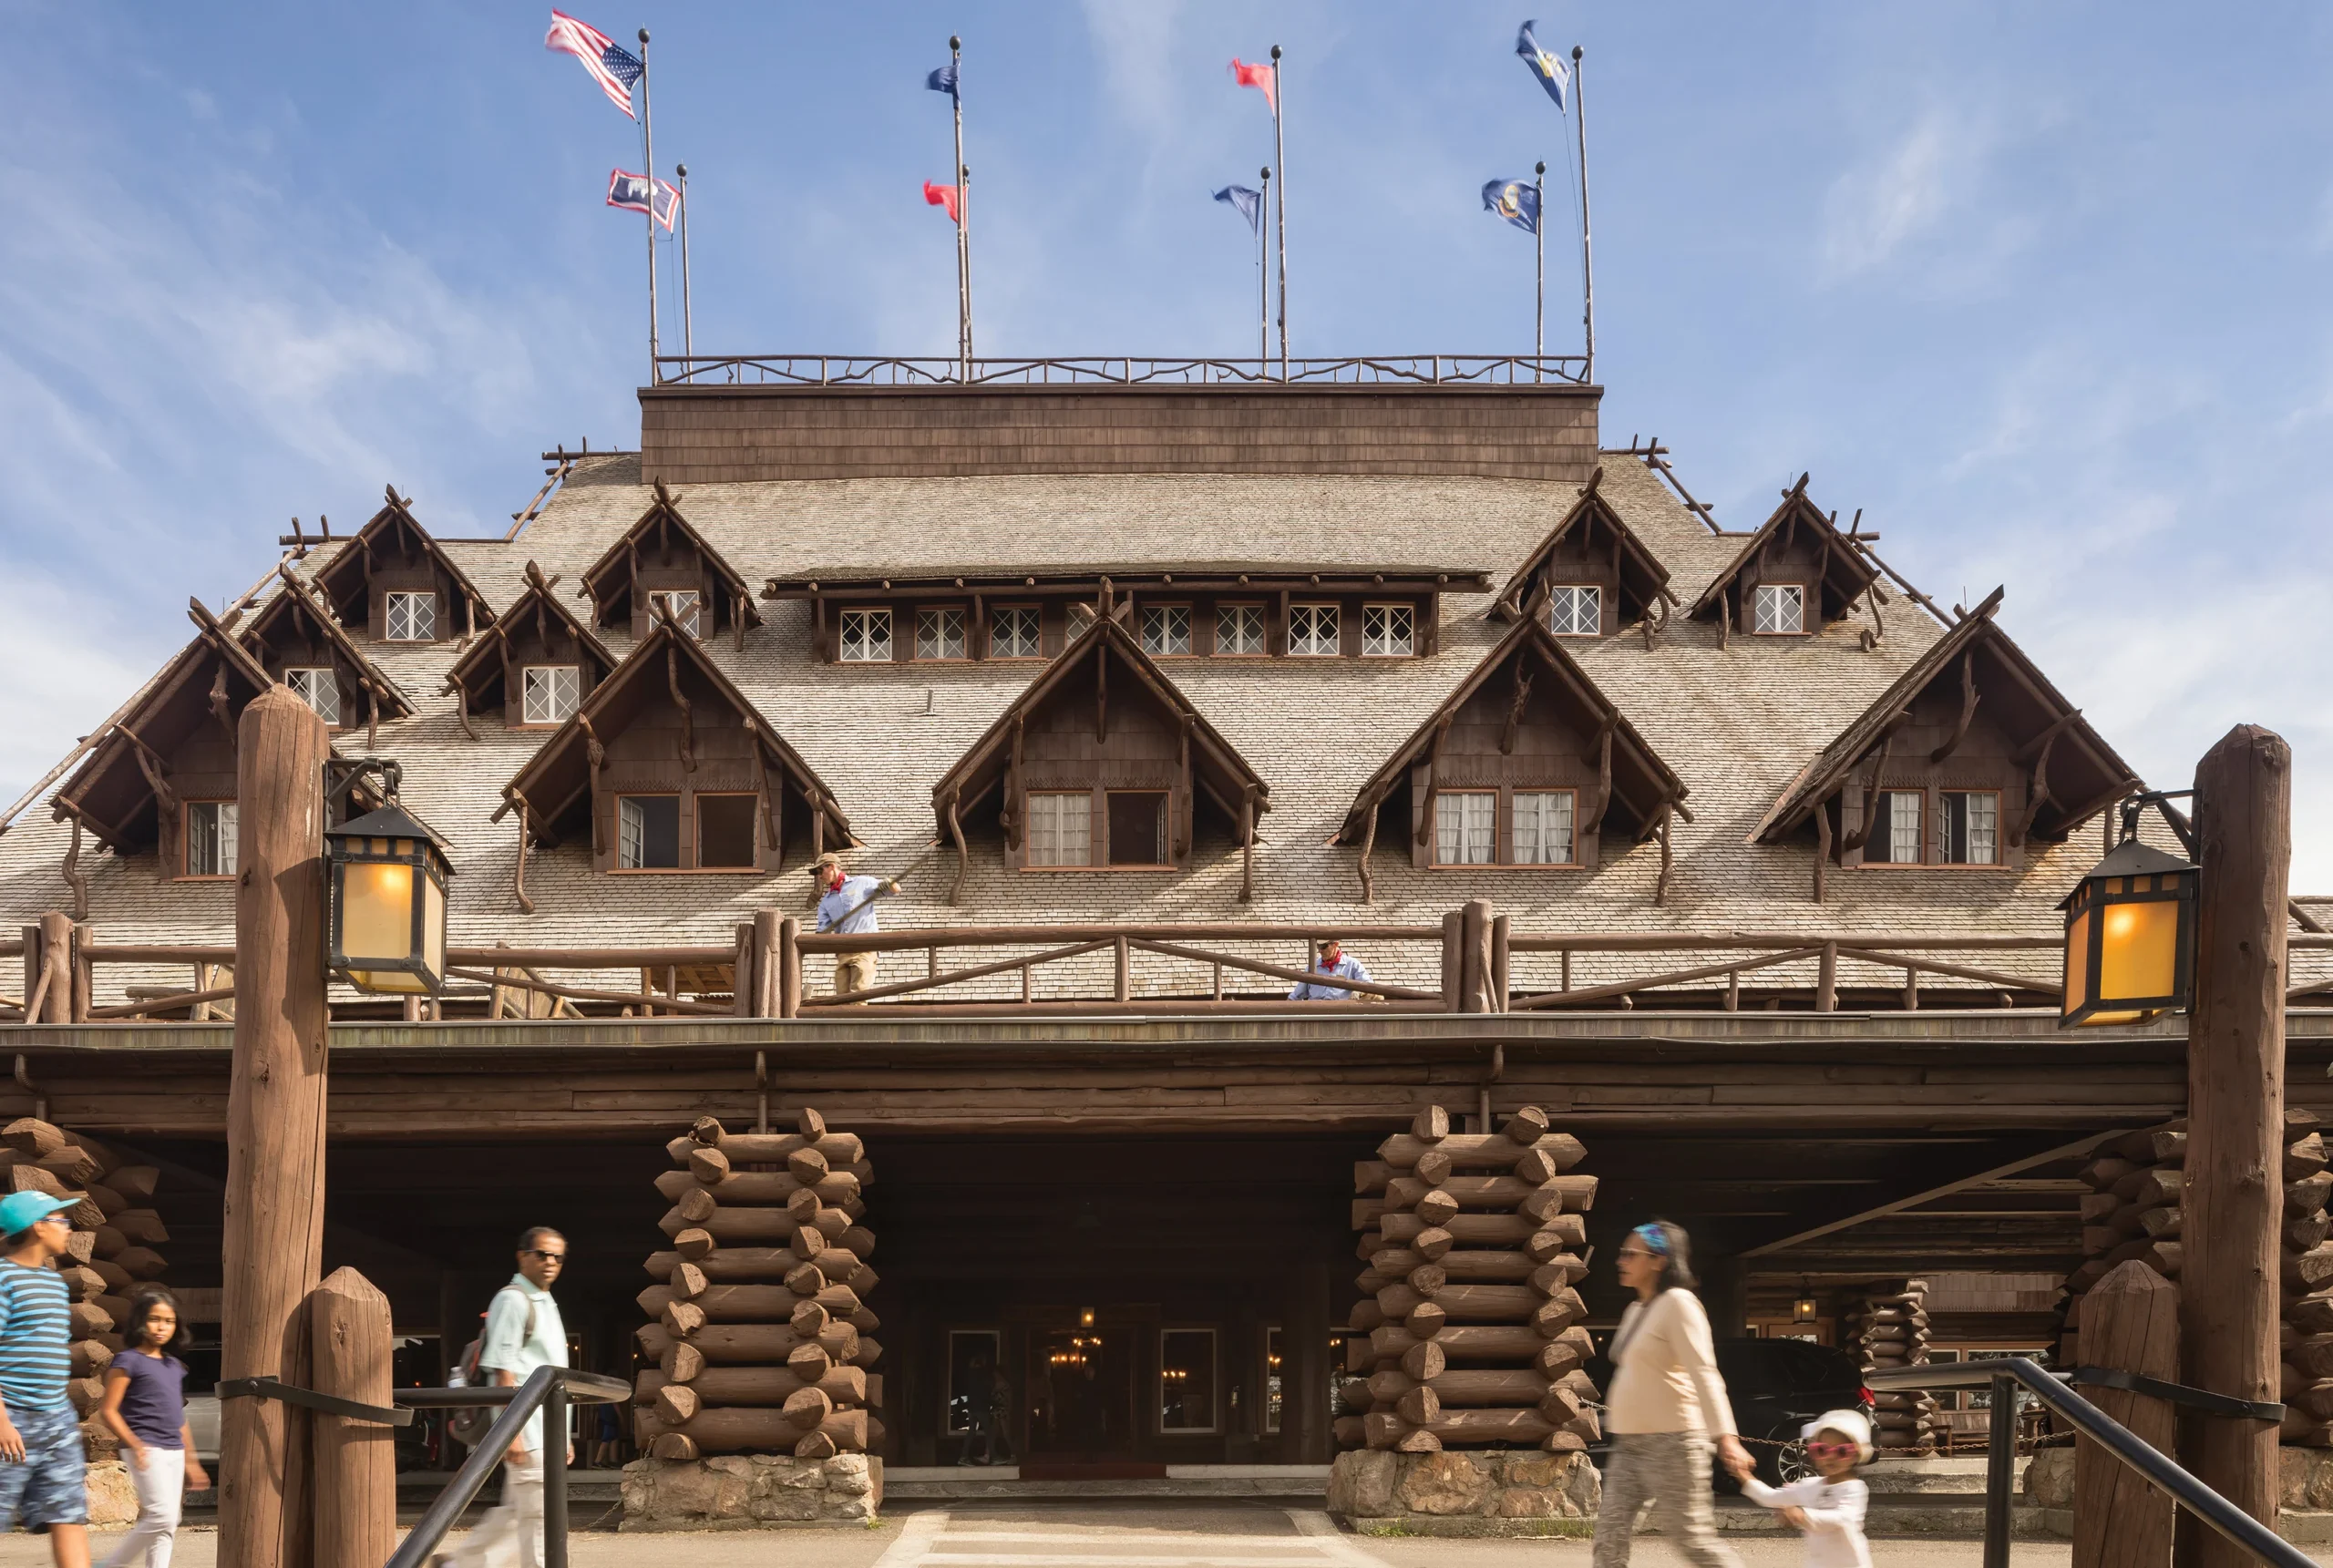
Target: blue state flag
(944, 80)
(1250, 203)
(1516, 200)
(1544, 64)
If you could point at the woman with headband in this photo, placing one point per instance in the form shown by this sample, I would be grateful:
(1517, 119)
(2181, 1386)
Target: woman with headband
(1665, 1406)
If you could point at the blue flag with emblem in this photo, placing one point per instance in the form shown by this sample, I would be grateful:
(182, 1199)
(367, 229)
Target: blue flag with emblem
(1250, 203)
(1544, 64)
(942, 80)
(1516, 200)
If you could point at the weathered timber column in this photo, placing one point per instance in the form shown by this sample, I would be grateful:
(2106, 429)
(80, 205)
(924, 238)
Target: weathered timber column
(2235, 1106)
(1454, 961)
(1304, 1374)
(2130, 1322)
(789, 967)
(1474, 956)
(56, 968)
(766, 989)
(275, 1110)
(356, 1470)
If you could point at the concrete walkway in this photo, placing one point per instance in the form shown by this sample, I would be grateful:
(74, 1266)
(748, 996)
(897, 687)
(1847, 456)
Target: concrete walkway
(1132, 1536)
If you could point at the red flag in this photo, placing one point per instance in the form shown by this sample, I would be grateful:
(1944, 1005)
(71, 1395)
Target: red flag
(942, 196)
(1259, 78)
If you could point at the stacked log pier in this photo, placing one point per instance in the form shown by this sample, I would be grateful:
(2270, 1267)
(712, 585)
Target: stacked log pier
(1886, 1324)
(2131, 1214)
(2305, 1330)
(1471, 1331)
(115, 1235)
(762, 1335)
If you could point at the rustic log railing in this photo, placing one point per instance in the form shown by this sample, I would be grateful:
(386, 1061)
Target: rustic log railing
(1474, 961)
(1138, 370)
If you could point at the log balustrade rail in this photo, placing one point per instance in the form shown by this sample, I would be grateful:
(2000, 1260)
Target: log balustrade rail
(1137, 370)
(1472, 962)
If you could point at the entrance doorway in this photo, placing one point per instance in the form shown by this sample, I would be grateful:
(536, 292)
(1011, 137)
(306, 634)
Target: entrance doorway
(1080, 1401)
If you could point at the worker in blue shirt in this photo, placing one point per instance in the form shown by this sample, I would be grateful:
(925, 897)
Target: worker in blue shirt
(847, 906)
(1333, 960)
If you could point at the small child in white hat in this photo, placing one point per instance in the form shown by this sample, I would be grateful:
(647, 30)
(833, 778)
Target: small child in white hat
(1828, 1507)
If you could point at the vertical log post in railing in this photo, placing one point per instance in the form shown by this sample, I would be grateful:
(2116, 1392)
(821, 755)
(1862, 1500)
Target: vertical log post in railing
(1118, 955)
(1474, 956)
(1498, 977)
(2234, 1190)
(2130, 1322)
(275, 1119)
(31, 934)
(2000, 1469)
(742, 981)
(57, 968)
(351, 1348)
(1454, 961)
(789, 967)
(1827, 978)
(85, 980)
(767, 1001)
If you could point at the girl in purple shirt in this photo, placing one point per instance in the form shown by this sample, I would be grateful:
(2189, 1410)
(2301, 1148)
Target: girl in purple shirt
(146, 1407)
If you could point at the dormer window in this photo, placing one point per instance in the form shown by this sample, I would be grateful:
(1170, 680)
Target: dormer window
(552, 693)
(1542, 830)
(1576, 609)
(684, 605)
(210, 837)
(1968, 827)
(1013, 632)
(1312, 631)
(1895, 829)
(319, 689)
(1167, 631)
(648, 832)
(1466, 827)
(1388, 631)
(1061, 831)
(1239, 629)
(866, 636)
(412, 616)
(939, 634)
(1778, 609)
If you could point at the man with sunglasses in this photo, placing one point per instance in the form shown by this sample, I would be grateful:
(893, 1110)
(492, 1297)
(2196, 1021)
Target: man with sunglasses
(43, 1469)
(523, 1331)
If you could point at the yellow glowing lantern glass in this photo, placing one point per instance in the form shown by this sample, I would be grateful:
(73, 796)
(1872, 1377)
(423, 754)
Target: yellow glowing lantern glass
(388, 903)
(2130, 939)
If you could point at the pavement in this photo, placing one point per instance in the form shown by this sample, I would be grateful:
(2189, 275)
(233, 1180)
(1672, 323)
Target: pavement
(1060, 1535)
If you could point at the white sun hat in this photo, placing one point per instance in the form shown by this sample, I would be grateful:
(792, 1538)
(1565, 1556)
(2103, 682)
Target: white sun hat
(1853, 1425)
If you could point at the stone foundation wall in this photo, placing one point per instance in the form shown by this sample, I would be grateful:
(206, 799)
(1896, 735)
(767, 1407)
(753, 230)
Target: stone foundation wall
(1513, 1483)
(751, 1491)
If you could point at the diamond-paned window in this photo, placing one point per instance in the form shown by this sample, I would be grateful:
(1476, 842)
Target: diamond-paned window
(685, 605)
(1576, 609)
(1388, 631)
(319, 689)
(866, 636)
(413, 617)
(1166, 630)
(1080, 620)
(1013, 632)
(1238, 628)
(551, 693)
(1778, 608)
(939, 633)
(1312, 631)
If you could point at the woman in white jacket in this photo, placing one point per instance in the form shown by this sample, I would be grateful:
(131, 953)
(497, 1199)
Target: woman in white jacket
(1666, 1406)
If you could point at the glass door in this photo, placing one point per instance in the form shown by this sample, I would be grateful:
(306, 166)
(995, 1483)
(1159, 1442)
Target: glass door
(1080, 1400)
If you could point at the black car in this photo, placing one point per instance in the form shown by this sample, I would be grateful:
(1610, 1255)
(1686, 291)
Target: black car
(1776, 1386)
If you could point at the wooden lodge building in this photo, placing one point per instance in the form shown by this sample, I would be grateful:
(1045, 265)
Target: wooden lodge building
(1724, 846)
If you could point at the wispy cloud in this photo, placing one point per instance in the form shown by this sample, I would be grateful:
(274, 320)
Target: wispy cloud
(1873, 208)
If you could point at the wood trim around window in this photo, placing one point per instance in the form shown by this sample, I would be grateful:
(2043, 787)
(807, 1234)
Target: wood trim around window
(186, 842)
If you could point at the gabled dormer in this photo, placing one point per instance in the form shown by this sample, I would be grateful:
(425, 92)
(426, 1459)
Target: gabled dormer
(537, 662)
(1526, 766)
(1591, 575)
(1101, 765)
(1970, 755)
(391, 582)
(667, 767)
(297, 639)
(661, 560)
(1793, 576)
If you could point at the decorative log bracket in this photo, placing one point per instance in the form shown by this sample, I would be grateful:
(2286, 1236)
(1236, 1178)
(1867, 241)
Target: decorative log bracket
(595, 757)
(1248, 845)
(1821, 845)
(1968, 709)
(526, 836)
(1592, 819)
(963, 854)
(1850, 842)
(75, 878)
(1514, 709)
(680, 699)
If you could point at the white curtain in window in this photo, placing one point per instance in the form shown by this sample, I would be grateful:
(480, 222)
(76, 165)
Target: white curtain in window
(1466, 827)
(1543, 827)
(1060, 829)
(1903, 827)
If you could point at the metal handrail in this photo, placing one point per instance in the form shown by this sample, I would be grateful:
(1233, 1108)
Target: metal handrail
(1123, 370)
(547, 1389)
(2005, 1376)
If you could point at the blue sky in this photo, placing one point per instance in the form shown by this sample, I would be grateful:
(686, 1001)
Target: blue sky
(2043, 290)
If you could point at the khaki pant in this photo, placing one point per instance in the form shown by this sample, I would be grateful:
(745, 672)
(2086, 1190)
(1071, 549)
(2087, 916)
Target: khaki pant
(1672, 1471)
(510, 1536)
(854, 972)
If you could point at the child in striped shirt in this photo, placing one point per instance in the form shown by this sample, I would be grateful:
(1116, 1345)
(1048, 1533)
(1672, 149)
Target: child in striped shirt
(42, 1471)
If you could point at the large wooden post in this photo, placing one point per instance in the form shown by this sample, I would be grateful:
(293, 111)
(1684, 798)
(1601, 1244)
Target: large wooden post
(2130, 1322)
(275, 1112)
(2235, 1108)
(1304, 1427)
(57, 966)
(356, 1470)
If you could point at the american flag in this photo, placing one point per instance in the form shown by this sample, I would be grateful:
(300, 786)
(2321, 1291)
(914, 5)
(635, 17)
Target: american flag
(609, 66)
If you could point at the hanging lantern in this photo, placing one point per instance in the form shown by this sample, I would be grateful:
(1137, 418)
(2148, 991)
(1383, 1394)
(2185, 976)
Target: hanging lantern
(1803, 1309)
(2130, 938)
(388, 903)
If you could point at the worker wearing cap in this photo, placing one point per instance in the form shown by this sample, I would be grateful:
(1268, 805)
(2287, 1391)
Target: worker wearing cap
(43, 1469)
(1333, 960)
(847, 906)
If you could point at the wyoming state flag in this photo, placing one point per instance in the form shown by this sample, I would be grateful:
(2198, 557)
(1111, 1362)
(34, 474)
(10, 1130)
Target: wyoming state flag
(1516, 200)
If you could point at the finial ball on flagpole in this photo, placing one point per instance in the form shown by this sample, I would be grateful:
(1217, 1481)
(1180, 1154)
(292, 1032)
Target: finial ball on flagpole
(643, 35)
(1577, 52)
(954, 42)
(1541, 170)
(682, 169)
(1275, 51)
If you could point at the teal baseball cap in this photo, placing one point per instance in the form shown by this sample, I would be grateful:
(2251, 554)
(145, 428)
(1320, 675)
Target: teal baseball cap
(19, 1212)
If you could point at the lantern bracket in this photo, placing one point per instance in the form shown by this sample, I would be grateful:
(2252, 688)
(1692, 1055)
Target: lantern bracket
(2182, 827)
(342, 776)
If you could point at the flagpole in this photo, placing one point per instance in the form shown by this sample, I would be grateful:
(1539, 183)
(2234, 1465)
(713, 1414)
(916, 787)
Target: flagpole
(1263, 278)
(648, 136)
(963, 221)
(688, 317)
(1586, 251)
(1279, 165)
(1539, 233)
